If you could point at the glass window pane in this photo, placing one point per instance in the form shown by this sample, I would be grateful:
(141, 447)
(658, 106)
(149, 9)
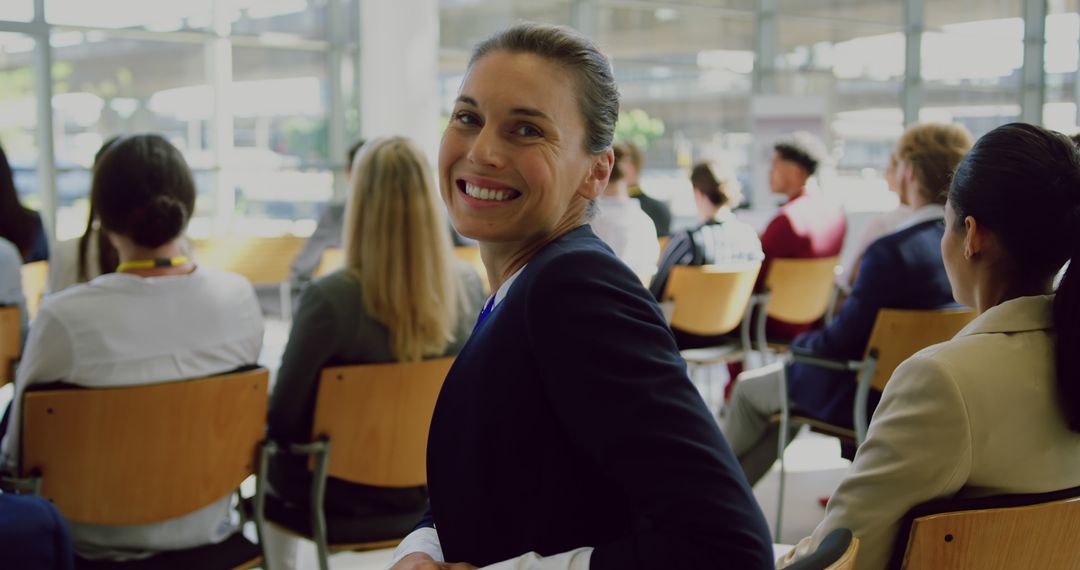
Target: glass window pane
(18, 114)
(281, 163)
(972, 59)
(854, 71)
(188, 15)
(1062, 53)
(465, 23)
(106, 86)
(684, 75)
(854, 11)
(17, 10)
(275, 20)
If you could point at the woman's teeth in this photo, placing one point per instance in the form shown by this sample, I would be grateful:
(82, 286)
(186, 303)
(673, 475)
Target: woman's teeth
(487, 193)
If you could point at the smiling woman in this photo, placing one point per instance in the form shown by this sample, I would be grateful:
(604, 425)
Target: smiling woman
(567, 434)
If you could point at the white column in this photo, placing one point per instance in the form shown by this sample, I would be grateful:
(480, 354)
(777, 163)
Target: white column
(43, 92)
(218, 62)
(1033, 90)
(399, 81)
(912, 96)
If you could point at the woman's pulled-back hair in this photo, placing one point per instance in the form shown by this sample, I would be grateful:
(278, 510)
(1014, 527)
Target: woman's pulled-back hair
(597, 94)
(143, 189)
(108, 259)
(934, 150)
(1022, 182)
(397, 243)
(720, 190)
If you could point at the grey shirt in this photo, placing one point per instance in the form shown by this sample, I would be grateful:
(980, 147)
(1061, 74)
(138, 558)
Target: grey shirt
(330, 328)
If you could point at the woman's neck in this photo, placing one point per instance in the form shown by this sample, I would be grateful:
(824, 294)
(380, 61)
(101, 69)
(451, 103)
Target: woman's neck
(503, 259)
(993, 291)
(131, 252)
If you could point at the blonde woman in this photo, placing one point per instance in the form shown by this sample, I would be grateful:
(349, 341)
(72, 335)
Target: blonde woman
(400, 297)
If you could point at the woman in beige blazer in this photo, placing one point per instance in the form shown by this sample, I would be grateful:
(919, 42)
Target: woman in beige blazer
(995, 410)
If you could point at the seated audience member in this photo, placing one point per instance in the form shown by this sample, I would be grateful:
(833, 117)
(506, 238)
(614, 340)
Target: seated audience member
(719, 239)
(658, 211)
(901, 270)
(327, 232)
(623, 225)
(882, 224)
(80, 260)
(402, 296)
(566, 435)
(20, 226)
(808, 225)
(11, 293)
(158, 318)
(995, 410)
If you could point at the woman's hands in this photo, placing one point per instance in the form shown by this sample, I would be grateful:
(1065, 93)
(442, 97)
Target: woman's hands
(421, 561)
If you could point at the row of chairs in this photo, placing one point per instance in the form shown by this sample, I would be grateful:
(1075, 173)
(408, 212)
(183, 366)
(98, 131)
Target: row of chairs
(98, 455)
(144, 454)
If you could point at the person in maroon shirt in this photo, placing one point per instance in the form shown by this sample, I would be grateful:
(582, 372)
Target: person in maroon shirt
(808, 225)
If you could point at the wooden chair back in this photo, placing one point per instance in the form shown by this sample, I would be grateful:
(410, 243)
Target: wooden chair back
(471, 254)
(900, 333)
(1038, 535)
(333, 258)
(143, 454)
(376, 417)
(259, 259)
(10, 343)
(710, 300)
(34, 276)
(800, 289)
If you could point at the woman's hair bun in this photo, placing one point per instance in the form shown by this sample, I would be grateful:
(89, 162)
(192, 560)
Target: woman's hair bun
(160, 220)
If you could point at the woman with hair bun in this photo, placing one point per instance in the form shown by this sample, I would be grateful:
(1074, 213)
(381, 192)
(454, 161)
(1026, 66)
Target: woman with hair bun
(995, 410)
(720, 239)
(158, 318)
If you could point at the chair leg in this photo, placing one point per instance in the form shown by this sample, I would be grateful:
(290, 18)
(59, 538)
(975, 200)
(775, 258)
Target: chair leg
(318, 518)
(781, 446)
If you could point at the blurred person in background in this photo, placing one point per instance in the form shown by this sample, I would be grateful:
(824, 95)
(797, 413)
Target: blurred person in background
(20, 225)
(719, 239)
(401, 297)
(658, 211)
(808, 225)
(158, 318)
(622, 224)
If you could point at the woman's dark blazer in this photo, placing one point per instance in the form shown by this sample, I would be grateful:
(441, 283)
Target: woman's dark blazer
(568, 420)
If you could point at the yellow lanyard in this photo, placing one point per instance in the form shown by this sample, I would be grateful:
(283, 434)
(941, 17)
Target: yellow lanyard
(152, 263)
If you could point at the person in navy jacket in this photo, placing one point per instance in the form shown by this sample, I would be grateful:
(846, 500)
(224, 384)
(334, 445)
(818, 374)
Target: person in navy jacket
(901, 270)
(567, 434)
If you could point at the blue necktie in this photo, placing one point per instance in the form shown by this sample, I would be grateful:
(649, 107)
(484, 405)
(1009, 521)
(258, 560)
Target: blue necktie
(484, 313)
